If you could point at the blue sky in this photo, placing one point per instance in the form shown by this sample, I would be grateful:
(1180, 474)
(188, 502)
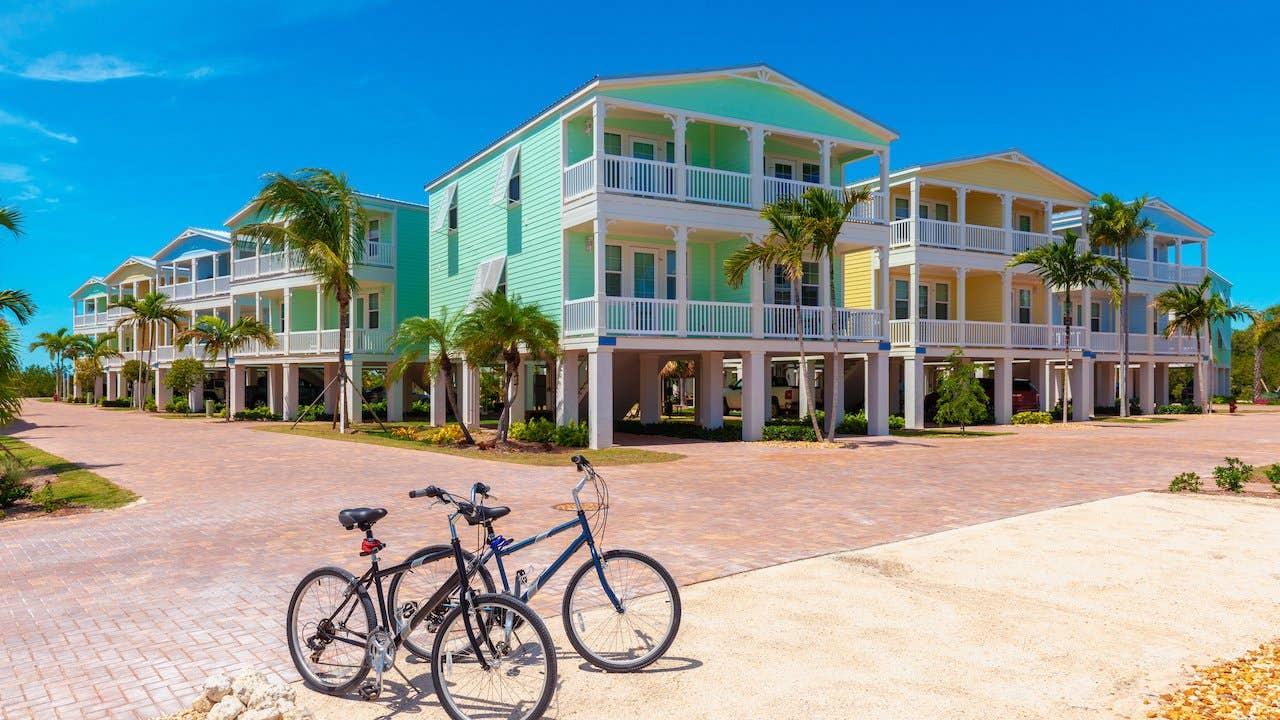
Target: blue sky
(121, 123)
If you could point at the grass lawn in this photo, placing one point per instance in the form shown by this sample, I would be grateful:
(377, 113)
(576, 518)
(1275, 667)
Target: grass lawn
(1144, 419)
(74, 484)
(612, 456)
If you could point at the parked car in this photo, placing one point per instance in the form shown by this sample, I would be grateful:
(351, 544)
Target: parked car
(784, 396)
(1026, 397)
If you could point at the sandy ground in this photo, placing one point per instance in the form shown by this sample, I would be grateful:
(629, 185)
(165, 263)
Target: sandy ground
(1079, 612)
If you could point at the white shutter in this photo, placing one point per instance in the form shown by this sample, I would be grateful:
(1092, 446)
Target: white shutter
(442, 212)
(488, 274)
(509, 160)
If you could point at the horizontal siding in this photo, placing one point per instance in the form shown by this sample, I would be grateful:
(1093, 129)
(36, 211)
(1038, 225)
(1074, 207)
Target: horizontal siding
(859, 286)
(412, 263)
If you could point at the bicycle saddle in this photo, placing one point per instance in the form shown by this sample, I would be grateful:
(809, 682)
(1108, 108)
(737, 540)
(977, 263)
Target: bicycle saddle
(362, 517)
(476, 515)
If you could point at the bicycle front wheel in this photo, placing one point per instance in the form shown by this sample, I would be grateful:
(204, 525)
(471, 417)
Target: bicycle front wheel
(433, 567)
(514, 674)
(635, 632)
(328, 629)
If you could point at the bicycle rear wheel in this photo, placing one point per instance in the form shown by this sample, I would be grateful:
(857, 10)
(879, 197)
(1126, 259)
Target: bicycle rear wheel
(328, 627)
(415, 586)
(514, 677)
(636, 636)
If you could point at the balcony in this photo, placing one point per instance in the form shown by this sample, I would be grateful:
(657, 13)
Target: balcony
(312, 342)
(89, 320)
(654, 317)
(377, 253)
(977, 334)
(209, 287)
(1166, 272)
(955, 236)
(657, 179)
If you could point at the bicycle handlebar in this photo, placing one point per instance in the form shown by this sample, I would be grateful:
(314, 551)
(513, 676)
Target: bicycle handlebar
(581, 462)
(430, 491)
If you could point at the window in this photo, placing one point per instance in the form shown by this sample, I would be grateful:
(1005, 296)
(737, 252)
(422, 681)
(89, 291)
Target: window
(1024, 306)
(924, 211)
(445, 215)
(453, 214)
(506, 187)
(922, 302)
(502, 282)
(781, 286)
(375, 230)
(901, 208)
(901, 300)
(372, 312)
(1218, 339)
(783, 170)
(1024, 223)
(942, 212)
(941, 302)
(513, 185)
(811, 173)
(612, 144)
(1095, 317)
(671, 274)
(613, 270)
(809, 281)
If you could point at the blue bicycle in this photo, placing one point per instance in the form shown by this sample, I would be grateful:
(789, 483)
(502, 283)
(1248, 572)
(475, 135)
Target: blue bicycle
(621, 608)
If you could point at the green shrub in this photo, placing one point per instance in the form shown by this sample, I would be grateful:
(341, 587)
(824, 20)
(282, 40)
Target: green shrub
(449, 434)
(261, 412)
(378, 409)
(787, 432)
(13, 481)
(314, 412)
(1185, 482)
(853, 423)
(1272, 473)
(177, 405)
(573, 435)
(897, 422)
(1232, 476)
(46, 500)
(149, 404)
(1056, 412)
(1178, 409)
(1032, 417)
(535, 431)
(117, 403)
(687, 431)
(420, 408)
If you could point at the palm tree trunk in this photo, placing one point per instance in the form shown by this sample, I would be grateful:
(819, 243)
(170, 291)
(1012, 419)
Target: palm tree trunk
(1066, 355)
(805, 385)
(833, 418)
(226, 386)
(451, 397)
(342, 417)
(1201, 380)
(510, 384)
(1257, 370)
(1124, 339)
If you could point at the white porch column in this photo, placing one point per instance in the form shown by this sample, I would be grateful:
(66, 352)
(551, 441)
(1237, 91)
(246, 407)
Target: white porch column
(886, 211)
(1006, 220)
(650, 389)
(833, 390)
(439, 400)
(806, 391)
(567, 388)
(913, 309)
(286, 318)
(355, 402)
(1147, 388)
(395, 399)
(884, 288)
(962, 215)
(1081, 388)
(600, 397)
(878, 389)
(1003, 390)
(913, 210)
(1177, 254)
(522, 388)
(1204, 253)
(682, 280)
(235, 389)
(597, 141)
(289, 392)
(1150, 239)
(824, 163)
(599, 228)
(962, 309)
(469, 394)
(331, 389)
(710, 387)
(275, 389)
(913, 390)
(1041, 376)
(1162, 383)
(110, 391)
(679, 122)
(755, 137)
(755, 389)
(1086, 317)
(163, 393)
(756, 277)
(1006, 305)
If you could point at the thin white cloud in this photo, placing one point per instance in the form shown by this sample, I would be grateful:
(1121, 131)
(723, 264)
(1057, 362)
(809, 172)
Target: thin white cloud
(11, 173)
(61, 67)
(8, 118)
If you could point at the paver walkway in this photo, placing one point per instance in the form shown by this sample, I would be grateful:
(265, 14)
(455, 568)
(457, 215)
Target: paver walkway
(107, 614)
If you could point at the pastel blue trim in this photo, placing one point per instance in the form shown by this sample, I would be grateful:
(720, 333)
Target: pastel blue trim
(608, 341)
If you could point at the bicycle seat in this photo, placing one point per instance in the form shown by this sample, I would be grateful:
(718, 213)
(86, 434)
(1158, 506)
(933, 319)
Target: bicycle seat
(476, 515)
(362, 517)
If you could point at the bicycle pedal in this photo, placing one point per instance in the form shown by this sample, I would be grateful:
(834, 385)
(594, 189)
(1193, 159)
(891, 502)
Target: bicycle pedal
(370, 690)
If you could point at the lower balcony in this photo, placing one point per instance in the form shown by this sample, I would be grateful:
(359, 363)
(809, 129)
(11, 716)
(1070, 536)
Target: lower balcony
(312, 342)
(704, 319)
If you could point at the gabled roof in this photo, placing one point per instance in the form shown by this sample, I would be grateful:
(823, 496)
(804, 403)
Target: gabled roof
(1157, 203)
(1157, 210)
(92, 279)
(145, 262)
(603, 83)
(216, 235)
(1011, 155)
(250, 206)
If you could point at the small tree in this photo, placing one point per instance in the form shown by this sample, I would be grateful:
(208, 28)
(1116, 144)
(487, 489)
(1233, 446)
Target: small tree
(222, 338)
(136, 372)
(961, 399)
(184, 375)
(430, 340)
(88, 370)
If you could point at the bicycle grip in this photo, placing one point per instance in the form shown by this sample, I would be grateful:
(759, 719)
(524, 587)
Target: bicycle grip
(429, 491)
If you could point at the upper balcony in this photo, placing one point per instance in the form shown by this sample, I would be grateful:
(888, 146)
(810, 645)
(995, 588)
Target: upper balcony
(249, 264)
(921, 232)
(629, 149)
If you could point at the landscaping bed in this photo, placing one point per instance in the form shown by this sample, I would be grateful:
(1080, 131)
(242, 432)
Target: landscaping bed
(1245, 687)
(1233, 478)
(57, 487)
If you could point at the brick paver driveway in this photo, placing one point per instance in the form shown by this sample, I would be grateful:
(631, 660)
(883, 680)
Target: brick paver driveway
(108, 614)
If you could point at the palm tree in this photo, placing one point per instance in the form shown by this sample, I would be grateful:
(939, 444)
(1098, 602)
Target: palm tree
(825, 215)
(787, 245)
(57, 344)
(1061, 265)
(96, 350)
(1266, 324)
(430, 340)
(10, 369)
(1193, 309)
(220, 337)
(498, 330)
(19, 303)
(11, 219)
(149, 314)
(317, 215)
(1116, 225)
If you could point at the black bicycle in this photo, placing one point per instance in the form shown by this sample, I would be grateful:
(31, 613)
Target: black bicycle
(621, 608)
(492, 655)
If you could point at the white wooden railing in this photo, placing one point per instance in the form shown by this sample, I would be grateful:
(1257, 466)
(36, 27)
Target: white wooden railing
(650, 178)
(1106, 342)
(859, 324)
(377, 252)
(719, 319)
(580, 178)
(640, 316)
(579, 317)
(1029, 336)
(782, 321)
(984, 334)
(776, 189)
(981, 238)
(703, 318)
(90, 319)
(1024, 241)
(720, 187)
(938, 233)
(985, 239)
(198, 289)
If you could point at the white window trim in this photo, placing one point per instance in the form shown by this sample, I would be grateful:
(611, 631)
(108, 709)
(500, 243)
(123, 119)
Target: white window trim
(501, 186)
(449, 197)
(488, 275)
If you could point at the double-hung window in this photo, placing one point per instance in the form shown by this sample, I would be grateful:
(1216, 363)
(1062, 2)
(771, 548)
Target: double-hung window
(1024, 306)
(375, 230)
(941, 301)
(445, 215)
(1095, 317)
(809, 283)
(922, 302)
(671, 274)
(781, 286)
(373, 313)
(613, 270)
(901, 208)
(1024, 223)
(901, 300)
(811, 173)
